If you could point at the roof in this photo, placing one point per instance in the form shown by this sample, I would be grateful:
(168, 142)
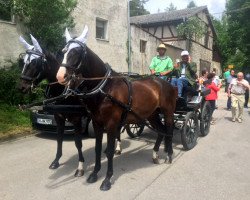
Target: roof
(169, 16)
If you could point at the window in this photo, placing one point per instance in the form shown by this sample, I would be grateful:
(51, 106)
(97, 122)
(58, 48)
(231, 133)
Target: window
(101, 29)
(143, 45)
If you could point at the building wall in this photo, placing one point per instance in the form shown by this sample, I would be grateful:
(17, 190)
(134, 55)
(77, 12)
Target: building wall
(140, 61)
(199, 53)
(114, 49)
(10, 45)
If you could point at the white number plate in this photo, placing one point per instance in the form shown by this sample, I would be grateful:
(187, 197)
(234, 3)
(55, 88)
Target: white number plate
(44, 121)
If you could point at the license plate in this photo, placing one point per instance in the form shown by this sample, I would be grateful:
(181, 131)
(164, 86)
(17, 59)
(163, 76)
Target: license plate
(44, 121)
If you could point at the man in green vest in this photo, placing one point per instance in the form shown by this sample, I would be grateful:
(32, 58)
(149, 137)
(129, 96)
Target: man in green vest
(188, 75)
(161, 65)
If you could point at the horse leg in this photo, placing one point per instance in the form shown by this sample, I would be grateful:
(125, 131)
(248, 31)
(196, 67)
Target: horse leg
(60, 130)
(106, 184)
(86, 130)
(98, 150)
(118, 149)
(78, 143)
(155, 156)
(169, 138)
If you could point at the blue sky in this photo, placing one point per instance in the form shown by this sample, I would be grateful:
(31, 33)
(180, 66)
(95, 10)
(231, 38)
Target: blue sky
(214, 6)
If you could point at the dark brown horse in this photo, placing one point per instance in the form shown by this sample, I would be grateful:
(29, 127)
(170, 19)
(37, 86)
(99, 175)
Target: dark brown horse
(115, 101)
(40, 65)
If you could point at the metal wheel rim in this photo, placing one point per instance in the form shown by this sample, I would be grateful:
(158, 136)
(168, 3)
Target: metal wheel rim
(190, 131)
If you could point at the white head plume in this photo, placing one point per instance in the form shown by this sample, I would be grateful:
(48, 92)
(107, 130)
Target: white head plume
(67, 35)
(36, 44)
(83, 37)
(25, 44)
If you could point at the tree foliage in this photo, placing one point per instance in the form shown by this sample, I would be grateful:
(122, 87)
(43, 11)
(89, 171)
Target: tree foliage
(233, 35)
(191, 4)
(191, 29)
(238, 15)
(171, 7)
(5, 9)
(46, 19)
(137, 8)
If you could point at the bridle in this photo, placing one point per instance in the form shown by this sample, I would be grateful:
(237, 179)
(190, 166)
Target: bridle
(41, 56)
(83, 55)
(76, 70)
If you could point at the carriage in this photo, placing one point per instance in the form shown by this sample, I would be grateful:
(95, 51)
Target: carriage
(191, 118)
(108, 96)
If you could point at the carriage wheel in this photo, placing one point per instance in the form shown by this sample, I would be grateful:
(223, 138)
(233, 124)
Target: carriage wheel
(134, 130)
(189, 132)
(205, 119)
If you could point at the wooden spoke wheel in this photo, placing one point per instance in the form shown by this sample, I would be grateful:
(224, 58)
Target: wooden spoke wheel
(134, 130)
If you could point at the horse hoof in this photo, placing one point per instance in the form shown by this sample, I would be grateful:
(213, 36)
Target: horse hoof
(92, 178)
(156, 161)
(79, 173)
(170, 160)
(118, 152)
(106, 185)
(54, 165)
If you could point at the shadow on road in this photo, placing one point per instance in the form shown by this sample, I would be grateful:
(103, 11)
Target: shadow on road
(128, 161)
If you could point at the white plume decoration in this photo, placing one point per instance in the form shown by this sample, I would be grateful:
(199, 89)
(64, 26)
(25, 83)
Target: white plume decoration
(36, 44)
(83, 37)
(67, 35)
(25, 44)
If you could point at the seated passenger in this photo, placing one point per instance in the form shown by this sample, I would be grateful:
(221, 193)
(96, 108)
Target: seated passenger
(161, 65)
(188, 75)
(175, 74)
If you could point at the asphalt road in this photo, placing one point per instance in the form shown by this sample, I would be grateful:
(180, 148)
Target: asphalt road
(217, 168)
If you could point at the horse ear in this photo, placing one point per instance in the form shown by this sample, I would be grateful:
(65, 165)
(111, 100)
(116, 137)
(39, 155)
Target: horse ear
(25, 44)
(83, 37)
(36, 44)
(67, 35)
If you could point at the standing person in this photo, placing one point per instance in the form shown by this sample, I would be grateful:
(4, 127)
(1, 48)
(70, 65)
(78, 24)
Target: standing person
(247, 91)
(229, 79)
(236, 91)
(161, 65)
(213, 96)
(225, 76)
(188, 75)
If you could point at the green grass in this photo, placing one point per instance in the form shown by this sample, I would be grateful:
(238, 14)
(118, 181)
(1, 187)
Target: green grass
(13, 121)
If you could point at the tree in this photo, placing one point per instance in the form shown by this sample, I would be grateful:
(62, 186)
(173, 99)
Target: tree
(191, 4)
(190, 29)
(238, 14)
(46, 19)
(5, 9)
(171, 7)
(137, 8)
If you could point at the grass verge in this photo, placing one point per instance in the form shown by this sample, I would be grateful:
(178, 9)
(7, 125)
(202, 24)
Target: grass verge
(13, 122)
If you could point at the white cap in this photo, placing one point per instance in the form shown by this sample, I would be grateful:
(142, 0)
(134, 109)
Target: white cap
(184, 53)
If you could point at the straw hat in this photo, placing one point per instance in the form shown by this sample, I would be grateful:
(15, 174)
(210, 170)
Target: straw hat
(161, 46)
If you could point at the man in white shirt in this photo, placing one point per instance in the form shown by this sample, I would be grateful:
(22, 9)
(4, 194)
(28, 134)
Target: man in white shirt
(236, 91)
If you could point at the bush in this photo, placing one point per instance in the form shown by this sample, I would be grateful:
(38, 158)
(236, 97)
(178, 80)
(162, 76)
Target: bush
(9, 93)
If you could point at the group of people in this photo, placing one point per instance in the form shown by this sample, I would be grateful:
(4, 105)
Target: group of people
(183, 75)
(237, 89)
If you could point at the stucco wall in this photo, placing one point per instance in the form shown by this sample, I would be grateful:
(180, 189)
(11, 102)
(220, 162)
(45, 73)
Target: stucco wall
(199, 53)
(114, 49)
(10, 45)
(140, 61)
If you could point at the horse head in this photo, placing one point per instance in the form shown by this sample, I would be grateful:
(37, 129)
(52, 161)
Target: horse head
(34, 64)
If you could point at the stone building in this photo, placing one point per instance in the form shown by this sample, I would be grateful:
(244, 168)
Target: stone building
(148, 31)
(107, 22)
